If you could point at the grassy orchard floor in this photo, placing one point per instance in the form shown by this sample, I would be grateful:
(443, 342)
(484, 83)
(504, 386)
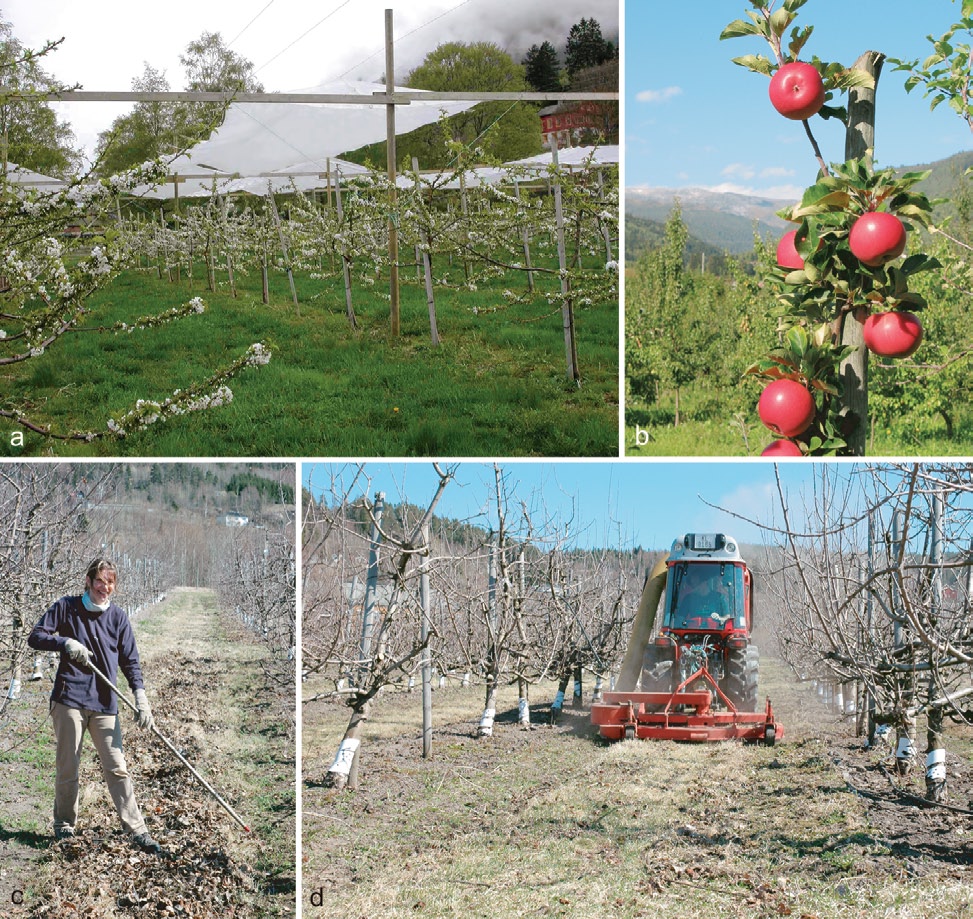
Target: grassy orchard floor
(496, 386)
(211, 695)
(553, 822)
(701, 436)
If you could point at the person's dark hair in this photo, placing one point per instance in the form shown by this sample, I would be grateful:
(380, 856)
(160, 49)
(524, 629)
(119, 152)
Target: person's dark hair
(99, 565)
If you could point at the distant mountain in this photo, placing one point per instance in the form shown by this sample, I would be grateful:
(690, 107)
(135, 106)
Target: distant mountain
(727, 221)
(643, 235)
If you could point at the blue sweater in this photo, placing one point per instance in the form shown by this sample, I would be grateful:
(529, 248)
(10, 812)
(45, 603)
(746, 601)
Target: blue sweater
(107, 635)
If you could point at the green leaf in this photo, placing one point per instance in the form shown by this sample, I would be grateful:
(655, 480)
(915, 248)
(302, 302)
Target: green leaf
(796, 340)
(915, 301)
(795, 278)
(792, 6)
(846, 79)
(798, 41)
(755, 62)
(837, 112)
(739, 28)
(780, 20)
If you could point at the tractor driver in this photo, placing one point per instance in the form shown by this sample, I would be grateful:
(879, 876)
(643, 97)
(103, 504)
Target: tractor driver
(713, 602)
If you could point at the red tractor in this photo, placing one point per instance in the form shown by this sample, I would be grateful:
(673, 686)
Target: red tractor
(695, 677)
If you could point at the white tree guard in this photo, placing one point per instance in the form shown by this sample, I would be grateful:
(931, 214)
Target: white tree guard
(345, 756)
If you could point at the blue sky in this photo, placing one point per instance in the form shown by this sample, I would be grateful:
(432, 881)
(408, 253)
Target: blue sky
(617, 503)
(695, 118)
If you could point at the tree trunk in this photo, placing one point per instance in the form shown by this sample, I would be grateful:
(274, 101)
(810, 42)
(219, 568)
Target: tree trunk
(490, 709)
(558, 702)
(344, 770)
(576, 702)
(905, 750)
(935, 756)
(523, 702)
(853, 372)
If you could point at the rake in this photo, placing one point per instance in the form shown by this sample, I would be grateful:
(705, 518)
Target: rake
(182, 759)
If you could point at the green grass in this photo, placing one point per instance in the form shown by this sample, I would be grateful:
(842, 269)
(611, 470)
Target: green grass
(496, 386)
(650, 431)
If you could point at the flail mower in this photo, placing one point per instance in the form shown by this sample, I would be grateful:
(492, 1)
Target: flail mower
(694, 678)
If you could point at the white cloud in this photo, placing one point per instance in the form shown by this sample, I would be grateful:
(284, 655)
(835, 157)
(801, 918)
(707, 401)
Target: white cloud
(776, 172)
(740, 170)
(754, 502)
(659, 95)
(788, 193)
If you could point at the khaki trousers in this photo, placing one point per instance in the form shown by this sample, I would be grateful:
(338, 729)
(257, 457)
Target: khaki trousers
(106, 734)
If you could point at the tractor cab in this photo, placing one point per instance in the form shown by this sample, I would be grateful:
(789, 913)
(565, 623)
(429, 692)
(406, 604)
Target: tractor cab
(708, 586)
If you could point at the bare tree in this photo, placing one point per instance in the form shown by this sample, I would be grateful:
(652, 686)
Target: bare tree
(875, 590)
(390, 642)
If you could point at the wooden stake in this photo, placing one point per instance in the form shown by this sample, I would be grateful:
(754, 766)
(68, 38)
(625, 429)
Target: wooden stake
(859, 142)
(427, 270)
(393, 196)
(345, 261)
(567, 305)
(283, 247)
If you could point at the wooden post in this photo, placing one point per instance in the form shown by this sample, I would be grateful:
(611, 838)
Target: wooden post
(393, 196)
(606, 235)
(526, 237)
(567, 305)
(465, 210)
(264, 269)
(859, 142)
(175, 215)
(345, 261)
(427, 268)
(426, 659)
(370, 607)
(283, 246)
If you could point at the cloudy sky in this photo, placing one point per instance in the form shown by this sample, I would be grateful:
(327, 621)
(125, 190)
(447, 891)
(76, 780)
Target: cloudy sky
(294, 45)
(694, 118)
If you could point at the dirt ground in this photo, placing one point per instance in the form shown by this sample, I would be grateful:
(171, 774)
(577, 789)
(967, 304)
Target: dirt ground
(554, 822)
(228, 708)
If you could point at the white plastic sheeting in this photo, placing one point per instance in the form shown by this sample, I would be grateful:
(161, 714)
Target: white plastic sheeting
(258, 137)
(304, 176)
(27, 178)
(568, 158)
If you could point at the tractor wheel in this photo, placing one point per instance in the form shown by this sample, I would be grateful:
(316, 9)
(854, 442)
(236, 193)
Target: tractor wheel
(743, 666)
(657, 669)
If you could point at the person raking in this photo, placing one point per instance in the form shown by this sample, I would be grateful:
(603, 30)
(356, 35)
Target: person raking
(85, 629)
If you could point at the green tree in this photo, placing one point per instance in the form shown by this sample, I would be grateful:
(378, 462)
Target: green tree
(542, 68)
(587, 47)
(672, 338)
(504, 130)
(212, 67)
(31, 135)
(150, 130)
(154, 129)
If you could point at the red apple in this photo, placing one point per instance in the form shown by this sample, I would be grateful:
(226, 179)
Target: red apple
(893, 334)
(782, 448)
(876, 238)
(787, 254)
(786, 407)
(797, 90)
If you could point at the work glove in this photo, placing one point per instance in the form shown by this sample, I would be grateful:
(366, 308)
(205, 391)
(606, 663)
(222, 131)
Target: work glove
(143, 717)
(77, 652)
